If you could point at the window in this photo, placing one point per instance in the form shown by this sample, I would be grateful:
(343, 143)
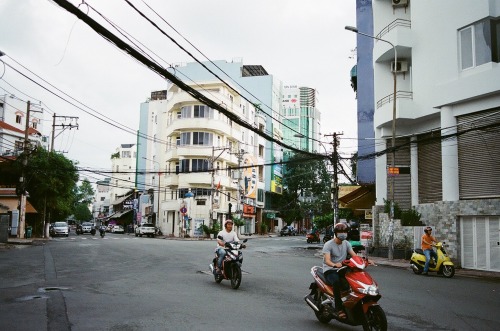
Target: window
(185, 138)
(19, 145)
(184, 166)
(179, 114)
(479, 43)
(34, 124)
(178, 141)
(126, 154)
(202, 138)
(177, 168)
(186, 112)
(18, 119)
(201, 111)
(261, 151)
(199, 165)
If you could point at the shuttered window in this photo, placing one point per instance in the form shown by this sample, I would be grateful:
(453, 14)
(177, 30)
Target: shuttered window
(430, 188)
(479, 155)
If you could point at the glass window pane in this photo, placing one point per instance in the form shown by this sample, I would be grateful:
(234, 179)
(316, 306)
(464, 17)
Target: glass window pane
(482, 38)
(466, 48)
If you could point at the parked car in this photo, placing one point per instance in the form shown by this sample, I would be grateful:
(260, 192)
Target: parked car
(288, 231)
(147, 229)
(117, 229)
(85, 227)
(59, 229)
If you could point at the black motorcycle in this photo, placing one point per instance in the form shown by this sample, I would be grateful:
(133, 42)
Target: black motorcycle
(231, 265)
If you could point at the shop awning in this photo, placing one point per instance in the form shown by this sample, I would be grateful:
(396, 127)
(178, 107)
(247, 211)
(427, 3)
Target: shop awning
(120, 200)
(120, 213)
(11, 204)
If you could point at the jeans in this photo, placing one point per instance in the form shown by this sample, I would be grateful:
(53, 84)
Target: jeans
(221, 252)
(333, 278)
(428, 254)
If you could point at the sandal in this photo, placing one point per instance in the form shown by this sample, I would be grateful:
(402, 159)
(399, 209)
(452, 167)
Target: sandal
(341, 314)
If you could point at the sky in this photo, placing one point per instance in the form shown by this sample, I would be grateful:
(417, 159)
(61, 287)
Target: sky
(299, 42)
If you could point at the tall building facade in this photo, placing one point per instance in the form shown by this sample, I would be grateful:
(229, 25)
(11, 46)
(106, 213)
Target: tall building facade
(301, 118)
(363, 74)
(447, 119)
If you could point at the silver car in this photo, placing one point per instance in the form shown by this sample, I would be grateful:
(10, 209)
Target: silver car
(59, 229)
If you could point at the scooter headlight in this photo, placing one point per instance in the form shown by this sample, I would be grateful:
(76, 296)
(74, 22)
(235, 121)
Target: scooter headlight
(369, 289)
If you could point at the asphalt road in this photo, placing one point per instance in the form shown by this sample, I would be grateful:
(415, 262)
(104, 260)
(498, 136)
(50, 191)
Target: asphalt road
(126, 283)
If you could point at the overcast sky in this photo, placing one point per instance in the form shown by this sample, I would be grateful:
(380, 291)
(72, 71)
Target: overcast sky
(299, 42)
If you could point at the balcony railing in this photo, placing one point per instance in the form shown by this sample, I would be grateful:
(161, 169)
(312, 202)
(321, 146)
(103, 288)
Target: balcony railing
(394, 24)
(390, 97)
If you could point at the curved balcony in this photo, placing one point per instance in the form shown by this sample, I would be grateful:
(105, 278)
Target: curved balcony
(398, 32)
(195, 179)
(194, 124)
(171, 180)
(405, 108)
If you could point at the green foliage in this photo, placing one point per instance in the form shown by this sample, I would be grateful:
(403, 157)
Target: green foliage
(397, 210)
(115, 155)
(82, 212)
(51, 179)
(323, 221)
(411, 217)
(305, 176)
(211, 230)
(238, 221)
(263, 227)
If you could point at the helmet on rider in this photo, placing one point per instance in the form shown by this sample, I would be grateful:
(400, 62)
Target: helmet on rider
(428, 229)
(228, 221)
(340, 227)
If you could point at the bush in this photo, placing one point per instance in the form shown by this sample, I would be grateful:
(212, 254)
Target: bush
(387, 209)
(411, 217)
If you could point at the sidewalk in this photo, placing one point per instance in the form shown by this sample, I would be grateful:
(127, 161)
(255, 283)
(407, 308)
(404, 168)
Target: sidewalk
(395, 263)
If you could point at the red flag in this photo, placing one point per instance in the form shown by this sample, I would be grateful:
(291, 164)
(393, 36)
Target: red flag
(218, 186)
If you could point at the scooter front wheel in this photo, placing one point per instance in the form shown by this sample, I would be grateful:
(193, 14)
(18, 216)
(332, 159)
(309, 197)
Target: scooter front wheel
(375, 319)
(448, 271)
(235, 276)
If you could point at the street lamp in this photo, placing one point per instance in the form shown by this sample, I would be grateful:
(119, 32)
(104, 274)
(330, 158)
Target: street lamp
(159, 178)
(393, 140)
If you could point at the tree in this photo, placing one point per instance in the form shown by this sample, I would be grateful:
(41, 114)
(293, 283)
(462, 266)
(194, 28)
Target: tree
(308, 178)
(84, 195)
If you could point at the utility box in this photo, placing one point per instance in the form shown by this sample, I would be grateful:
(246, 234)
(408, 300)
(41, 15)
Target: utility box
(14, 222)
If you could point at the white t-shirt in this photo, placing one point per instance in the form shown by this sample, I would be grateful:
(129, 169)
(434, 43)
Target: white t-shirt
(227, 236)
(338, 253)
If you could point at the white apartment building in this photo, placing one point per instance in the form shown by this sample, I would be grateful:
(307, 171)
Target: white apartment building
(13, 114)
(191, 140)
(123, 165)
(101, 204)
(447, 118)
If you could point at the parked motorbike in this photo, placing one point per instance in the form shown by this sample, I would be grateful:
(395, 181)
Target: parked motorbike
(443, 265)
(313, 237)
(360, 295)
(327, 237)
(231, 265)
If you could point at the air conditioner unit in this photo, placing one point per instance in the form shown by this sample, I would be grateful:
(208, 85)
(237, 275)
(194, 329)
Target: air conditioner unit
(400, 66)
(399, 3)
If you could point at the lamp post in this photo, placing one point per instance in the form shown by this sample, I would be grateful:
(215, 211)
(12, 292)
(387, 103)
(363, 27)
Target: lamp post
(159, 178)
(393, 140)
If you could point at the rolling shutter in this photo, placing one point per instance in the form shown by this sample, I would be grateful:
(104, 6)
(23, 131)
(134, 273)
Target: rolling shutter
(479, 155)
(402, 182)
(430, 188)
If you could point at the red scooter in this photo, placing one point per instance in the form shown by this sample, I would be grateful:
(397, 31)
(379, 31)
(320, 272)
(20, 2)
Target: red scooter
(359, 292)
(312, 236)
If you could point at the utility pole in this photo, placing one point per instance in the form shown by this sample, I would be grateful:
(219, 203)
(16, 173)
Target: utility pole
(335, 189)
(239, 204)
(22, 180)
(64, 127)
(212, 168)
